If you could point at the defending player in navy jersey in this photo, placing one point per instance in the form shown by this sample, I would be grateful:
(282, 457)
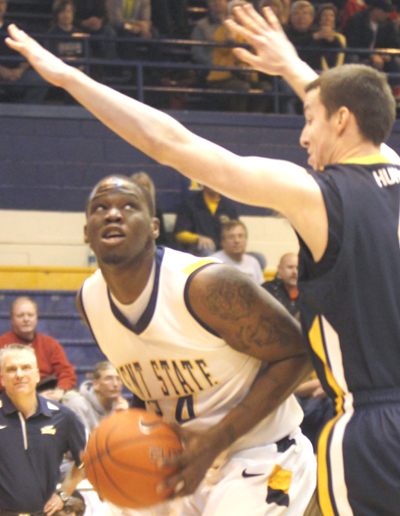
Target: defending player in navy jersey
(205, 348)
(346, 213)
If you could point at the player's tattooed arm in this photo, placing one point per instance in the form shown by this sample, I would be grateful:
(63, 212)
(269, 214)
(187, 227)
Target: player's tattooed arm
(251, 322)
(245, 315)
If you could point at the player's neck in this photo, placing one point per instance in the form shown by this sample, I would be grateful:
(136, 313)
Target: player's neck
(360, 150)
(127, 283)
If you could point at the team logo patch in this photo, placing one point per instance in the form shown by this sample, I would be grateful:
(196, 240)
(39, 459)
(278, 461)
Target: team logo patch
(278, 487)
(49, 429)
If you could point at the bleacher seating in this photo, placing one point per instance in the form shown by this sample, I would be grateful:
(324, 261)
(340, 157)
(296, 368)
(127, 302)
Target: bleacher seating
(58, 317)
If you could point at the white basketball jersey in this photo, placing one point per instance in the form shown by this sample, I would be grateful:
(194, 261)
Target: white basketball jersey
(169, 359)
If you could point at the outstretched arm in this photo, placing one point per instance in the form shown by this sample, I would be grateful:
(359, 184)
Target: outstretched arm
(277, 184)
(251, 321)
(273, 53)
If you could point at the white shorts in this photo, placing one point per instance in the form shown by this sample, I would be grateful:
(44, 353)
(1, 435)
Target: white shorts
(258, 481)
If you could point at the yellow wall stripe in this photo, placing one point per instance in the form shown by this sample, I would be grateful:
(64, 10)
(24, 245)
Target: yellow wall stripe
(43, 278)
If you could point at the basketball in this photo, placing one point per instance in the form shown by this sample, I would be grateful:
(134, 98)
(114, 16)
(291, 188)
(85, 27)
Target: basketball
(122, 454)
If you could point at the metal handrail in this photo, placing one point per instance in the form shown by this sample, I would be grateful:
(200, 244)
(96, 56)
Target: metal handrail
(165, 46)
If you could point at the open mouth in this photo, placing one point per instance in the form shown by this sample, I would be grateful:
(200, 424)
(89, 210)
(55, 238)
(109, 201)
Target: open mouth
(112, 236)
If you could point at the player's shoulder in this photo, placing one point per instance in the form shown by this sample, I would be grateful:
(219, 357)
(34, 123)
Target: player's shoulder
(186, 263)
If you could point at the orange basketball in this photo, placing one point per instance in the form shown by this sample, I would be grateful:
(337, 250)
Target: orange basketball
(122, 454)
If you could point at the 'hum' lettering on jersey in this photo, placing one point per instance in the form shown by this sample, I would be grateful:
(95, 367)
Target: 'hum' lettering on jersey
(387, 176)
(175, 377)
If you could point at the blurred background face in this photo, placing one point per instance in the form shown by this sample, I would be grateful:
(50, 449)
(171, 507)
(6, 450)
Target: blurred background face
(288, 270)
(234, 241)
(109, 385)
(24, 319)
(328, 18)
(65, 17)
(218, 7)
(302, 19)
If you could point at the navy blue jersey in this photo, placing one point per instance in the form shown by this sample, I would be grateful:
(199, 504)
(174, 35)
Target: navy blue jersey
(350, 308)
(351, 298)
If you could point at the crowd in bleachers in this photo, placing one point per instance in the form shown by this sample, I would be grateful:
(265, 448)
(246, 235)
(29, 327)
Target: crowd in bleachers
(107, 38)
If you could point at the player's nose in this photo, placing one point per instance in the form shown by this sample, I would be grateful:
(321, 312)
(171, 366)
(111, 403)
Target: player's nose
(304, 140)
(113, 214)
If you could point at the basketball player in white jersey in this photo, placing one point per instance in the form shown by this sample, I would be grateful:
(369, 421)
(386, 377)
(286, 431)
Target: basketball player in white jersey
(332, 138)
(207, 349)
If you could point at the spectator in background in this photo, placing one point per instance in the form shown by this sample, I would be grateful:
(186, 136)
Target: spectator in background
(281, 9)
(199, 221)
(65, 45)
(326, 36)
(236, 80)
(50, 354)
(372, 28)
(204, 30)
(350, 7)
(170, 17)
(35, 434)
(284, 286)
(130, 19)
(26, 84)
(98, 397)
(234, 243)
(145, 180)
(300, 32)
(91, 17)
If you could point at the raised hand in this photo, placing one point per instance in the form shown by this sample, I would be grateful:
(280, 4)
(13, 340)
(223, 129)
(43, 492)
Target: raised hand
(46, 64)
(270, 43)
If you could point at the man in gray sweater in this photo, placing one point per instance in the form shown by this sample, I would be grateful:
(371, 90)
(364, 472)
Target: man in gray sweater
(99, 396)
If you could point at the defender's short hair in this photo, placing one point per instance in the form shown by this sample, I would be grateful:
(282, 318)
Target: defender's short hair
(365, 92)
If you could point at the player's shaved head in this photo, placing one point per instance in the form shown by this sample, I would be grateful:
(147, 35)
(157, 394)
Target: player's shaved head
(124, 185)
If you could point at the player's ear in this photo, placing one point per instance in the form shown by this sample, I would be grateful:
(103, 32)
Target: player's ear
(343, 119)
(155, 227)
(85, 236)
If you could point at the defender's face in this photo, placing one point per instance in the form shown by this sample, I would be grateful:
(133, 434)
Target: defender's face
(120, 228)
(318, 135)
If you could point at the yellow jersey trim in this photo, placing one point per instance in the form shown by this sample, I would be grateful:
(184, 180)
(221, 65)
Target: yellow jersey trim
(374, 159)
(194, 266)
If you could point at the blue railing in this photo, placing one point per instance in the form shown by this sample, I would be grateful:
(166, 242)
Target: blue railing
(174, 56)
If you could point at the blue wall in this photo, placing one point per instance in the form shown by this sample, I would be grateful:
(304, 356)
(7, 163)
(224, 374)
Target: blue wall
(51, 156)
